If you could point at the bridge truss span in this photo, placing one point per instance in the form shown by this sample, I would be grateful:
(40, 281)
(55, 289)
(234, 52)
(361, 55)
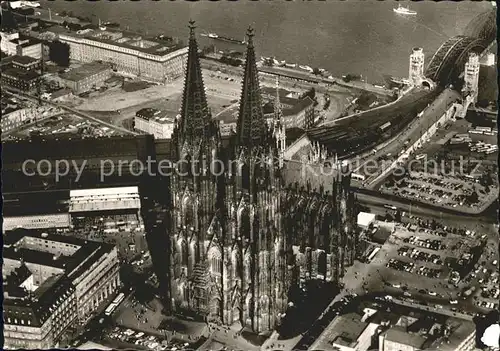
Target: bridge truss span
(449, 59)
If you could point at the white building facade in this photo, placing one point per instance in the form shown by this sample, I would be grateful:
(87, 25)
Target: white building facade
(157, 67)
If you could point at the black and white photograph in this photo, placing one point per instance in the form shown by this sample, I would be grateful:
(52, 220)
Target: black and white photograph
(250, 175)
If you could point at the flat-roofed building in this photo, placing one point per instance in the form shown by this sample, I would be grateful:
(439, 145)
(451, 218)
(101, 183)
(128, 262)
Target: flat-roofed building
(36, 210)
(52, 282)
(56, 220)
(16, 43)
(25, 63)
(298, 112)
(157, 60)
(365, 219)
(104, 199)
(97, 156)
(86, 77)
(347, 333)
(155, 122)
(398, 339)
(26, 81)
(28, 46)
(6, 43)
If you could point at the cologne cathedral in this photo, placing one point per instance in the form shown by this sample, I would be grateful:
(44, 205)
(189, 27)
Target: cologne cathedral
(242, 230)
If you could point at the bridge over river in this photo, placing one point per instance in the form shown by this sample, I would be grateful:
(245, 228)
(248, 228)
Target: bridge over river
(360, 133)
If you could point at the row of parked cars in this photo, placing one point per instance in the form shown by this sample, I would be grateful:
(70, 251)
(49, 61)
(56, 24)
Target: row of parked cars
(425, 243)
(487, 304)
(400, 265)
(151, 342)
(429, 272)
(419, 255)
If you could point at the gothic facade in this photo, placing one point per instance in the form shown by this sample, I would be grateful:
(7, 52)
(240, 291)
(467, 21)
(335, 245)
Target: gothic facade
(239, 236)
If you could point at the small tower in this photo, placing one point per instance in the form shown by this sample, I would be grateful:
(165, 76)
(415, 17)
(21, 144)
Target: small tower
(279, 129)
(417, 60)
(471, 76)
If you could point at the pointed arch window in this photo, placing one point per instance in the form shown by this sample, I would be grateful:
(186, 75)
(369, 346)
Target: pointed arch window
(185, 292)
(188, 212)
(184, 253)
(236, 265)
(245, 176)
(215, 261)
(244, 224)
(216, 265)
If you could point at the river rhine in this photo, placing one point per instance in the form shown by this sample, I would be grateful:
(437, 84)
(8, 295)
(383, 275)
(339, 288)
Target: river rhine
(366, 37)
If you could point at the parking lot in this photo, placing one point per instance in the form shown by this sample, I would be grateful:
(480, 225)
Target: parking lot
(450, 175)
(419, 263)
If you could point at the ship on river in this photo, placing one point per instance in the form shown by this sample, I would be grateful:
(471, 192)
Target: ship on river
(215, 36)
(401, 10)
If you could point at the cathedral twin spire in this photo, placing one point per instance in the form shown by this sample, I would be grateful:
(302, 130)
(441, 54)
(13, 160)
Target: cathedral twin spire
(251, 126)
(196, 121)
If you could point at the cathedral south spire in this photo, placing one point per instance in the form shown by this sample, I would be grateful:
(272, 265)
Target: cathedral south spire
(195, 121)
(251, 126)
(279, 131)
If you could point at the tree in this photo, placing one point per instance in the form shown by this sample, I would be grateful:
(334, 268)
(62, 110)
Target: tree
(59, 53)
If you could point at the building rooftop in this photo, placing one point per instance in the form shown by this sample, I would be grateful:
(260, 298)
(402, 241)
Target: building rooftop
(84, 71)
(38, 308)
(102, 199)
(460, 329)
(104, 191)
(24, 60)
(129, 40)
(21, 74)
(289, 106)
(381, 235)
(17, 151)
(25, 40)
(270, 92)
(35, 203)
(298, 105)
(74, 149)
(346, 330)
(152, 114)
(401, 336)
(365, 218)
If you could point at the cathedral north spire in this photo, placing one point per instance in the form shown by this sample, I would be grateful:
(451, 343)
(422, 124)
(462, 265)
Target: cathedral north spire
(196, 120)
(251, 126)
